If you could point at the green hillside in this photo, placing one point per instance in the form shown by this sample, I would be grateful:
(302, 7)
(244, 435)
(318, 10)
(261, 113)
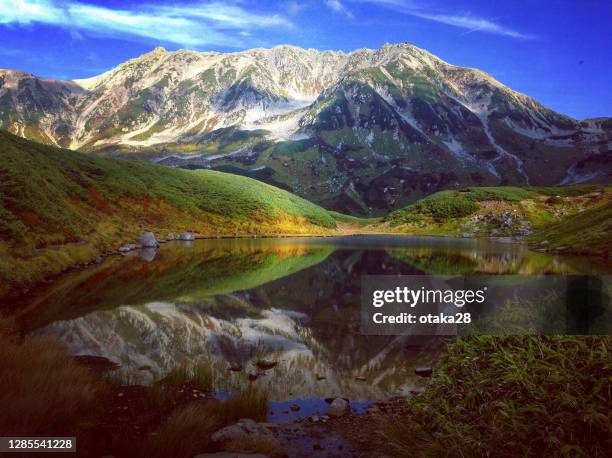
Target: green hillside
(571, 219)
(59, 207)
(588, 232)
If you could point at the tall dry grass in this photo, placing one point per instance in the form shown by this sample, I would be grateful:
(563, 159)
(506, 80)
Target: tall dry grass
(43, 391)
(199, 375)
(187, 430)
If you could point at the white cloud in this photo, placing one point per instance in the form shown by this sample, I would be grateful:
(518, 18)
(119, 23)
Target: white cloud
(469, 22)
(338, 7)
(294, 7)
(472, 24)
(28, 11)
(194, 24)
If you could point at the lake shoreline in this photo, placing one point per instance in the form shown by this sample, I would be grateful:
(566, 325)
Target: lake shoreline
(17, 291)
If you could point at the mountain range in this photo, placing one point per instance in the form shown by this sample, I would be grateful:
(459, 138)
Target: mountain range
(363, 132)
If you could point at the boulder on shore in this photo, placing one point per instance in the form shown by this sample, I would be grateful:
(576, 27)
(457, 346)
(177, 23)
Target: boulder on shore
(243, 428)
(148, 240)
(248, 436)
(187, 236)
(338, 408)
(126, 247)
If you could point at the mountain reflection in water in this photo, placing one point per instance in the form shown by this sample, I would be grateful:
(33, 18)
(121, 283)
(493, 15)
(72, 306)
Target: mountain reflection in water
(294, 301)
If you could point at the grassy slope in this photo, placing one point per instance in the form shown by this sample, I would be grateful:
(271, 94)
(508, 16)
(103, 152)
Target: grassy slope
(354, 221)
(511, 396)
(575, 217)
(588, 231)
(59, 207)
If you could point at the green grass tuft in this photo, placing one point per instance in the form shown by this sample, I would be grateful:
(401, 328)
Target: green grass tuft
(512, 396)
(198, 375)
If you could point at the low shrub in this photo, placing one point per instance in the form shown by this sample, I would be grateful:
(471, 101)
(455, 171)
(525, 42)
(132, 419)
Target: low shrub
(440, 206)
(503, 193)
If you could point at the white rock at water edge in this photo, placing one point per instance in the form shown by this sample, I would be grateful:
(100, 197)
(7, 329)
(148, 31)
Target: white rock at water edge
(187, 236)
(148, 240)
(338, 408)
(246, 430)
(126, 247)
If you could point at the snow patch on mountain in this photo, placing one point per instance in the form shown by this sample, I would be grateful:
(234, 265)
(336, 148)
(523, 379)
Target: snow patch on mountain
(458, 150)
(480, 107)
(281, 119)
(575, 177)
(535, 133)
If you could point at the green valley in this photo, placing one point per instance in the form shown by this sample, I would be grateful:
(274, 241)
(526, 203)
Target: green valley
(61, 208)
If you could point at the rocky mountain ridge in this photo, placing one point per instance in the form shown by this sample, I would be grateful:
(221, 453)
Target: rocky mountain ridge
(365, 131)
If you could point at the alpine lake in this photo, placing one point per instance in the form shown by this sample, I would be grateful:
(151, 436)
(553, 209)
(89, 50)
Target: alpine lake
(279, 313)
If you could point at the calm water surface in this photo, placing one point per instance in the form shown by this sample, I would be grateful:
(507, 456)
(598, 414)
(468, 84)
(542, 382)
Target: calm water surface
(294, 301)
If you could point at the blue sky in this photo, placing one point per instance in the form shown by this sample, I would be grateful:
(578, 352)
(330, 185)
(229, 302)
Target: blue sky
(557, 51)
